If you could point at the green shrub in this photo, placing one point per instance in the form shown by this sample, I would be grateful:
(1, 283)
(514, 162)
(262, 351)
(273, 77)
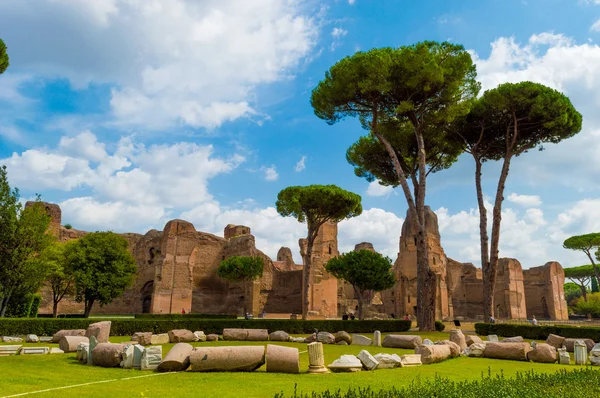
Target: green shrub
(591, 306)
(185, 316)
(23, 306)
(564, 384)
(439, 326)
(537, 332)
(68, 226)
(35, 305)
(127, 327)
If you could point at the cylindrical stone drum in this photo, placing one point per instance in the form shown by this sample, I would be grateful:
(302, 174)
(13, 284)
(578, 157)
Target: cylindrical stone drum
(282, 359)
(70, 343)
(177, 359)
(238, 358)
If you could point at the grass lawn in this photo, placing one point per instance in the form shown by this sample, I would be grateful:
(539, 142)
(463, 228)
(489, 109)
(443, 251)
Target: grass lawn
(21, 374)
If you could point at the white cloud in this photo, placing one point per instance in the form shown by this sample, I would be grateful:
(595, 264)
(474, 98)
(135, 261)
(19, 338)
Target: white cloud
(376, 189)
(595, 26)
(525, 200)
(135, 185)
(189, 62)
(351, 2)
(559, 62)
(89, 214)
(337, 34)
(380, 227)
(301, 165)
(270, 173)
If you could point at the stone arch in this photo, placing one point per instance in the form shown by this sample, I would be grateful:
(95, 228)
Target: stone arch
(146, 294)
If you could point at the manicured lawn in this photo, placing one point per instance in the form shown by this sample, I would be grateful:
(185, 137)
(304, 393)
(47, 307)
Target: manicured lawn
(20, 374)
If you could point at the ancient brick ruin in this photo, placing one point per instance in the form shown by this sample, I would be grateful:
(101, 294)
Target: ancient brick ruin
(177, 269)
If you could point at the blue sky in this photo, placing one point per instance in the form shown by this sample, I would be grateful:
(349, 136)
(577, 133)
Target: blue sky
(131, 113)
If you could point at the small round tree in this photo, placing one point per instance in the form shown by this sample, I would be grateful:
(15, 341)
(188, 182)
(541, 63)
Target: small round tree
(316, 205)
(365, 270)
(241, 269)
(587, 243)
(102, 266)
(581, 276)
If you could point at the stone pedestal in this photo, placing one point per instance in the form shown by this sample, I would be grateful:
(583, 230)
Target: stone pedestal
(377, 338)
(563, 356)
(316, 359)
(580, 353)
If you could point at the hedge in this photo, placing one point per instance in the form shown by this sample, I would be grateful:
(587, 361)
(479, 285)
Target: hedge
(564, 384)
(537, 332)
(127, 327)
(185, 316)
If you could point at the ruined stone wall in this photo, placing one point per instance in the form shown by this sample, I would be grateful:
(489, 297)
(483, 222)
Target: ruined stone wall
(544, 292)
(405, 267)
(465, 289)
(509, 297)
(323, 290)
(173, 276)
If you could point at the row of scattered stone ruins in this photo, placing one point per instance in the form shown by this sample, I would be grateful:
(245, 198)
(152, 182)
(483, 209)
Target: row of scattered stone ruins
(144, 351)
(177, 269)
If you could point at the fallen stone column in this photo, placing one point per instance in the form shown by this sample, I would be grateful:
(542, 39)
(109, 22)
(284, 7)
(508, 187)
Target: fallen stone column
(181, 336)
(143, 338)
(235, 334)
(458, 337)
(512, 351)
(100, 330)
(107, 355)
(555, 340)
(470, 339)
(433, 353)
(70, 343)
(62, 333)
(239, 358)
(401, 341)
(257, 335)
(282, 359)
(177, 359)
(543, 353)
(455, 350)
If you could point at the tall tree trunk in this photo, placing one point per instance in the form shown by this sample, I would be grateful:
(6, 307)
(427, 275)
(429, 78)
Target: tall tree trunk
(583, 292)
(426, 279)
(425, 303)
(594, 266)
(245, 304)
(488, 299)
(5, 303)
(88, 307)
(426, 285)
(55, 309)
(310, 240)
(489, 272)
(360, 295)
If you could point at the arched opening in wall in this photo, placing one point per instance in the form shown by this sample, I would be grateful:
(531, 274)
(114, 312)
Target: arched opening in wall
(151, 254)
(545, 312)
(330, 250)
(147, 297)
